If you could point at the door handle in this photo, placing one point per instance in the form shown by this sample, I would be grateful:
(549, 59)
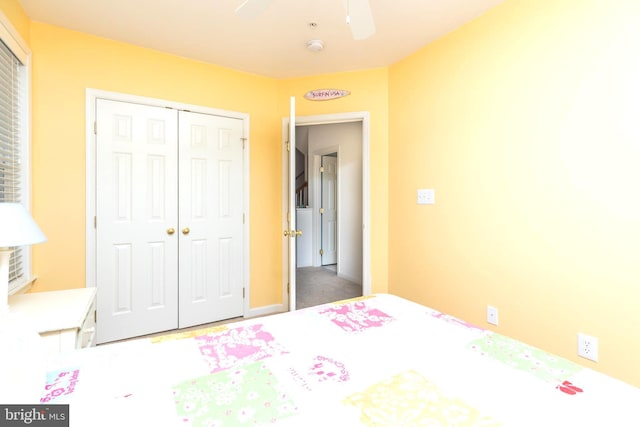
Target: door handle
(292, 233)
(185, 231)
(170, 231)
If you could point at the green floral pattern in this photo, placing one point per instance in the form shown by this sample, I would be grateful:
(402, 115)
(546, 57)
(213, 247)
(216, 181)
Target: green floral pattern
(523, 357)
(244, 396)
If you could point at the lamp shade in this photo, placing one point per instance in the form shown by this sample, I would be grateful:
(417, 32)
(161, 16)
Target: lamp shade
(17, 227)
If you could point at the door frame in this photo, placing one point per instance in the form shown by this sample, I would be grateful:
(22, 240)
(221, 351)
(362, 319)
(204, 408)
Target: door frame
(91, 95)
(359, 116)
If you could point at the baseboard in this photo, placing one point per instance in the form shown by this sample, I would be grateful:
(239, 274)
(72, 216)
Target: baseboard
(355, 280)
(265, 311)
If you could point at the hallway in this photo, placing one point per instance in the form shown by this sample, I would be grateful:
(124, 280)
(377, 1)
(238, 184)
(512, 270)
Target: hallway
(319, 285)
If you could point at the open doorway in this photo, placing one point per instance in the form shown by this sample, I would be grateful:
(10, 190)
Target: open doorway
(329, 254)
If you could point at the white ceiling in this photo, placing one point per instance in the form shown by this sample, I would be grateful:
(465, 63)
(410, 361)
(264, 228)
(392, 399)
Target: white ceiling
(274, 44)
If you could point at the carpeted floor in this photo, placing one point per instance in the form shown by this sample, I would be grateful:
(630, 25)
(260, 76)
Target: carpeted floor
(319, 285)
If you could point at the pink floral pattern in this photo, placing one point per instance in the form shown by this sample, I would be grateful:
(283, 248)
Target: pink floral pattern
(455, 321)
(59, 384)
(328, 369)
(237, 346)
(356, 317)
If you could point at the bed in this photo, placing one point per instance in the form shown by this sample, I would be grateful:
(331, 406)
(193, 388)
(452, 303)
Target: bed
(371, 361)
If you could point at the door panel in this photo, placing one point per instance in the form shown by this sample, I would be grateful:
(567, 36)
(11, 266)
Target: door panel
(211, 215)
(291, 216)
(136, 172)
(169, 190)
(330, 210)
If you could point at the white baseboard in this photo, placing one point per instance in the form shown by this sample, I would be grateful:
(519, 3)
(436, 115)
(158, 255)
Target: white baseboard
(355, 280)
(265, 311)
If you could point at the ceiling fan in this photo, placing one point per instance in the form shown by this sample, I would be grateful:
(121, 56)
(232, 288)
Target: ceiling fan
(358, 15)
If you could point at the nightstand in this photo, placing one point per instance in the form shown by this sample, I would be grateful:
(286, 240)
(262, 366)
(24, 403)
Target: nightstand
(65, 320)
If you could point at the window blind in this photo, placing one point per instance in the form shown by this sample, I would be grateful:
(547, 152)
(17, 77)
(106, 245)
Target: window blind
(10, 114)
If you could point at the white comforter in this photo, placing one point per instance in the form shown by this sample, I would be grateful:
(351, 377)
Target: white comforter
(377, 361)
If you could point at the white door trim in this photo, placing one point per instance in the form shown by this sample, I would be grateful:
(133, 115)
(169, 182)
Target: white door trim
(360, 116)
(91, 96)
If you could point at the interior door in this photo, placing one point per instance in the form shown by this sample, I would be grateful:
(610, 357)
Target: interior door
(329, 252)
(137, 214)
(291, 233)
(211, 218)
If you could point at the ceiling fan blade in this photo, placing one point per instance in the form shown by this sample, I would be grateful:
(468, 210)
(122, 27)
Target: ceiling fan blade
(360, 18)
(251, 9)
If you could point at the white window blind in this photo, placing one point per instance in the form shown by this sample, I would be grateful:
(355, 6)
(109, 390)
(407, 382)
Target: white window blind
(13, 144)
(11, 79)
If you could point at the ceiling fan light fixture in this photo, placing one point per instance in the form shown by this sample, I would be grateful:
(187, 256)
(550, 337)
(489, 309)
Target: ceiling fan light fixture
(315, 45)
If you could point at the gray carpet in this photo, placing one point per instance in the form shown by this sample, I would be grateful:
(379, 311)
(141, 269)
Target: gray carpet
(319, 285)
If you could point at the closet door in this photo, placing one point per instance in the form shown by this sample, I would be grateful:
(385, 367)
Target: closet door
(137, 219)
(211, 218)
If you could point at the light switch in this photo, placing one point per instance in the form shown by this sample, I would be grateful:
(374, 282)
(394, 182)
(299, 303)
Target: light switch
(426, 196)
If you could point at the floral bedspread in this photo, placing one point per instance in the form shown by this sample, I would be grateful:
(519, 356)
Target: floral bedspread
(372, 361)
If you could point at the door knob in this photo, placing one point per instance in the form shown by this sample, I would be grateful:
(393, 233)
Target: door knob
(298, 232)
(170, 231)
(185, 231)
(292, 233)
(286, 233)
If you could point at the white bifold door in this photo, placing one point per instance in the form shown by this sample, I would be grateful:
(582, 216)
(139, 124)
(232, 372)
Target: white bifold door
(169, 220)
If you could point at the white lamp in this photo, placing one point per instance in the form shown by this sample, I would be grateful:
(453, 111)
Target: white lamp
(23, 368)
(17, 228)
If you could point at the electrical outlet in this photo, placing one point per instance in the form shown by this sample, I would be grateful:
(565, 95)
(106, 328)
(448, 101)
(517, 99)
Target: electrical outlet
(588, 347)
(492, 315)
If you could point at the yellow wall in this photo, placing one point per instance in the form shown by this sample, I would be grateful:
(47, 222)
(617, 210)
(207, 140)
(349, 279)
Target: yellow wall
(525, 122)
(65, 64)
(16, 16)
(369, 92)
